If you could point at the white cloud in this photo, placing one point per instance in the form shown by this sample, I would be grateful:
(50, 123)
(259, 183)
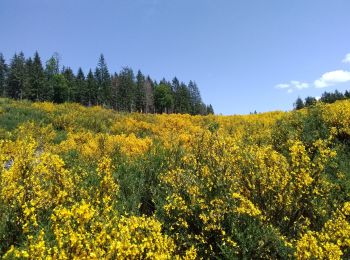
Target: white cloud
(292, 85)
(282, 85)
(299, 85)
(347, 58)
(332, 78)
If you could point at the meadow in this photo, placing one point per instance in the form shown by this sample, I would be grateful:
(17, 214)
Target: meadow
(91, 183)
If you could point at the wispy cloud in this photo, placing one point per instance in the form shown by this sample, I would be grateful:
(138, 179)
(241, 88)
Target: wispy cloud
(332, 78)
(299, 85)
(292, 85)
(282, 85)
(347, 58)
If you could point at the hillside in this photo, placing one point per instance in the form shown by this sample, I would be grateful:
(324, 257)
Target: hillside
(93, 183)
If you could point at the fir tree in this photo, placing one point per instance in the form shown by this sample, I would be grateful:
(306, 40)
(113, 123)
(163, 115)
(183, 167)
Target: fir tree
(71, 86)
(80, 88)
(299, 104)
(91, 87)
(3, 75)
(125, 90)
(16, 78)
(103, 80)
(140, 94)
(36, 78)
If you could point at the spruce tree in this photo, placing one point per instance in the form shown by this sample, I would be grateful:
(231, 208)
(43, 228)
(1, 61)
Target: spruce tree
(71, 86)
(163, 98)
(80, 88)
(91, 87)
(36, 78)
(195, 98)
(210, 109)
(52, 69)
(149, 96)
(3, 75)
(16, 77)
(310, 101)
(299, 104)
(103, 80)
(140, 94)
(125, 90)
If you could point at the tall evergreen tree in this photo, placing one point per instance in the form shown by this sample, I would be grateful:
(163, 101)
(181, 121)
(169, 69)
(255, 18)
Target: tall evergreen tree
(125, 90)
(140, 94)
(36, 78)
(71, 86)
(310, 101)
(299, 104)
(80, 88)
(16, 78)
(60, 88)
(210, 110)
(50, 89)
(91, 87)
(103, 80)
(183, 105)
(195, 98)
(163, 98)
(149, 96)
(3, 75)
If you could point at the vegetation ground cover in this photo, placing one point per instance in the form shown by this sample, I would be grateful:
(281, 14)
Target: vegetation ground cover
(90, 183)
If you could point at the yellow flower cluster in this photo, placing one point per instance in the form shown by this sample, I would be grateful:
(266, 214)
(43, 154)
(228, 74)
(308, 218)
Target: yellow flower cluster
(90, 183)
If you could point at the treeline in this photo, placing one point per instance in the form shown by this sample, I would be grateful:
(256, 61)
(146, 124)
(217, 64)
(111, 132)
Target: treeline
(27, 78)
(327, 97)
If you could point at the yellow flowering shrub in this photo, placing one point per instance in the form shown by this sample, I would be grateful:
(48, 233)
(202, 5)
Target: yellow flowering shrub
(91, 183)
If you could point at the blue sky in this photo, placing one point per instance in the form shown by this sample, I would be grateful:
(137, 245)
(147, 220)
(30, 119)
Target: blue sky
(245, 55)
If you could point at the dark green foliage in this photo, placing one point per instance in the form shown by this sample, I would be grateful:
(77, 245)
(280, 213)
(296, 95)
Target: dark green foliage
(125, 90)
(195, 98)
(163, 98)
(71, 84)
(16, 77)
(140, 93)
(3, 75)
(90, 96)
(36, 78)
(80, 95)
(327, 97)
(27, 79)
(103, 81)
(310, 101)
(299, 104)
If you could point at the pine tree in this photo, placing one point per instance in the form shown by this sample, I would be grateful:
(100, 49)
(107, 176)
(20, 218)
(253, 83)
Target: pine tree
(27, 89)
(80, 88)
(347, 94)
(60, 88)
(140, 94)
(52, 69)
(299, 104)
(125, 90)
(195, 98)
(36, 78)
(103, 80)
(183, 99)
(16, 77)
(149, 96)
(163, 98)
(210, 110)
(310, 101)
(91, 87)
(3, 75)
(71, 86)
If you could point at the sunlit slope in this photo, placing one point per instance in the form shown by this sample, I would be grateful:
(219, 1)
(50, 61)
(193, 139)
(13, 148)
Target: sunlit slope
(92, 183)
